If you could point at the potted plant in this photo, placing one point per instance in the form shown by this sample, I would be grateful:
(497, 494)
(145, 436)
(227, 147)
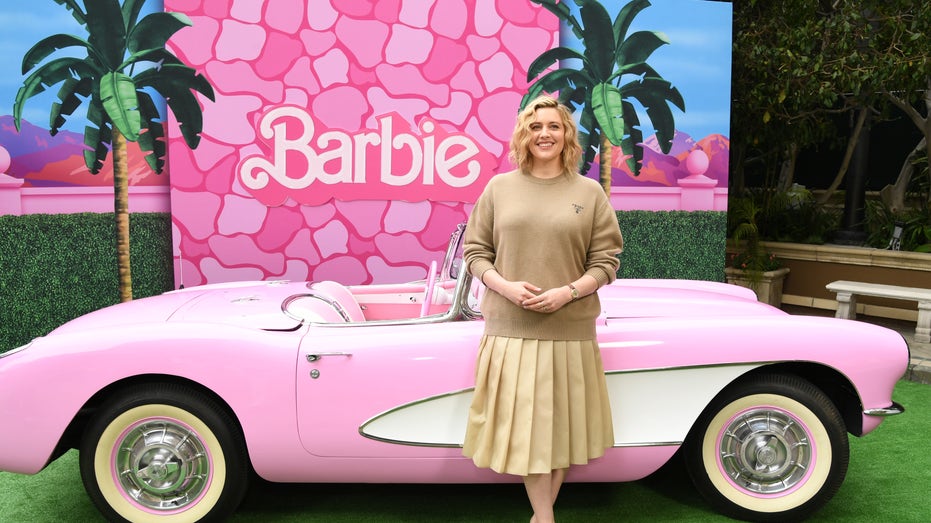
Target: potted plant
(752, 265)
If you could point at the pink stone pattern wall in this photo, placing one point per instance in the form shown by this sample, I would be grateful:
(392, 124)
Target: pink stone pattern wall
(459, 63)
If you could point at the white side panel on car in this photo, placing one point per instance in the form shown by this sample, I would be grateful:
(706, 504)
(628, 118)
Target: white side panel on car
(653, 407)
(435, 422)
(649, 407)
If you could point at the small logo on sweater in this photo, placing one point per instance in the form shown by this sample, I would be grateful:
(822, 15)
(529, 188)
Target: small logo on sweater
(578, 208)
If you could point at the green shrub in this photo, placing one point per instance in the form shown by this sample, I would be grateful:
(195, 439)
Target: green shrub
(792, 216)
(673, 244)
(915, 223)
(57, 267)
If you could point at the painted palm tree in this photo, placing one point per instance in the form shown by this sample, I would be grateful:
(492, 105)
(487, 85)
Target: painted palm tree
(608, 117)
(126, 60)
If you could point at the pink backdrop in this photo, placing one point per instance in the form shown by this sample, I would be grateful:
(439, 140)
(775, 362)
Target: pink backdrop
(459, 66)
(348, 137)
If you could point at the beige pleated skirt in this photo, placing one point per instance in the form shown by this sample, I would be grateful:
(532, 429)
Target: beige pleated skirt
(539, 405)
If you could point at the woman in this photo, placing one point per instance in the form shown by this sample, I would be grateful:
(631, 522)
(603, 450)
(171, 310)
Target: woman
(542, 239)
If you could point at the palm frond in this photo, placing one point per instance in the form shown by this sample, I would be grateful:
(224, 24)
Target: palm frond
(159, 57)
(554, 81)
(70, 97)
(107, 31)
(630, 145)
(46, 75)
(589, 143)
(653, 94)
(45, 47)
(130, 12)
(171, 78)
(598, 39)
(626, 16)
(650, 88)
(97, 138)
(152, 137)
(176, 83)
(640, 46)
(606, 104)
(641, 69)
(573, 97)
(153, 31)
(550, 58)
(119, 99)
(75, 8)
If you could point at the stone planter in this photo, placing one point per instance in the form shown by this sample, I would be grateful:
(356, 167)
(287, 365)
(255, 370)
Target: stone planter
(768, 289)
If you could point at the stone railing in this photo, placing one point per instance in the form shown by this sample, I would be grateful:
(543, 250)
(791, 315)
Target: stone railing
(17, 200)
(700, 197)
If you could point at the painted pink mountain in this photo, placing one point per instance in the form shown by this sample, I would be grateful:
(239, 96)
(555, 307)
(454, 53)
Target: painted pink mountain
(43, 160)
(660, 169)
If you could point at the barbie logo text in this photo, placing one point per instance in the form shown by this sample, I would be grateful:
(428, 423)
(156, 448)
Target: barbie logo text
(387, 163)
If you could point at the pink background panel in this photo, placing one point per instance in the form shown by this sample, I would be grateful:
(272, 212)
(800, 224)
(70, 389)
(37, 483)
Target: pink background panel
(459, 65)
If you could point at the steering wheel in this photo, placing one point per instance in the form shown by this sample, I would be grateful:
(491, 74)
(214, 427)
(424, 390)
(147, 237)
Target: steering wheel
(428, 289)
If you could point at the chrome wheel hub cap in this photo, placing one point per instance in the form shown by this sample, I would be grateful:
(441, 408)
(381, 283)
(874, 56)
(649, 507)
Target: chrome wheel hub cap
(765, 451)
(162, 465)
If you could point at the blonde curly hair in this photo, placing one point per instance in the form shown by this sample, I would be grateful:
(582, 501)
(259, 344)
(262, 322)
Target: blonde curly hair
(519, 153)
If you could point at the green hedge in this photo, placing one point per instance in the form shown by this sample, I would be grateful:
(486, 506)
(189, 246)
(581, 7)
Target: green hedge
(58, 267)
(673, 244)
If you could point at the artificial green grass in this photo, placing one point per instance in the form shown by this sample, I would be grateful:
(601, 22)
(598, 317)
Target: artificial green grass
(889, 479)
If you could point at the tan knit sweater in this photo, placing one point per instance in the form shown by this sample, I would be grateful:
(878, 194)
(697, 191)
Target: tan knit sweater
(548, 233)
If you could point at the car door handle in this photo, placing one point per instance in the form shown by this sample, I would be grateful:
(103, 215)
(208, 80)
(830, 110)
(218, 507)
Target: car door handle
(316, 356)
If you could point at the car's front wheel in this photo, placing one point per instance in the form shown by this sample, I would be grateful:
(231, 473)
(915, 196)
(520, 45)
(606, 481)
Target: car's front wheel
(772, 448)
(163, 453)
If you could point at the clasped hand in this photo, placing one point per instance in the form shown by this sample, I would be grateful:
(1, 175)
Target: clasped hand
(533, 298)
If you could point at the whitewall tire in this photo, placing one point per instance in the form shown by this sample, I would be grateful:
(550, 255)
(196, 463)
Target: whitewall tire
(769, 448)
(163, 453)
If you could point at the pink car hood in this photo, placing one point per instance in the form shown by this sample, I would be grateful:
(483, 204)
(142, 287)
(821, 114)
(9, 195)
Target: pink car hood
(248, 304)
(633, 298)
(242, 304)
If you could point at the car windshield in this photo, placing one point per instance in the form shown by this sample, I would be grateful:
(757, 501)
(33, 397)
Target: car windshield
(448, 293)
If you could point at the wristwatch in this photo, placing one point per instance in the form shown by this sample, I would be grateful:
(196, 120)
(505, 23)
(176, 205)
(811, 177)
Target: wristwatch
(573, 292)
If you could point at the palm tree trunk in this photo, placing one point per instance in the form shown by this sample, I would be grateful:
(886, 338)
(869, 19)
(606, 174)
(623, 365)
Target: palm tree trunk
(604, 164)
(121, 212)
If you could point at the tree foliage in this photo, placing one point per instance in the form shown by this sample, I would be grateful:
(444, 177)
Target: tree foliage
(798, 63)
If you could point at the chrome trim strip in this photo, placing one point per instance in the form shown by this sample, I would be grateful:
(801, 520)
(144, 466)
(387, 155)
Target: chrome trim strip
(337, 306)
(891, 410)
(315, 356)
(412, 443)
(755, 364)
(655, 444)
(21, 348)
(459, 446)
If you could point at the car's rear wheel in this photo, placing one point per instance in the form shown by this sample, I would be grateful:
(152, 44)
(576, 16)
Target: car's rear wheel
(771, 448)
(163, 453)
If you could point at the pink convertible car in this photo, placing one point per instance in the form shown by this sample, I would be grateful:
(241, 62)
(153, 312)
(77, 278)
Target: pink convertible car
(175, 401)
